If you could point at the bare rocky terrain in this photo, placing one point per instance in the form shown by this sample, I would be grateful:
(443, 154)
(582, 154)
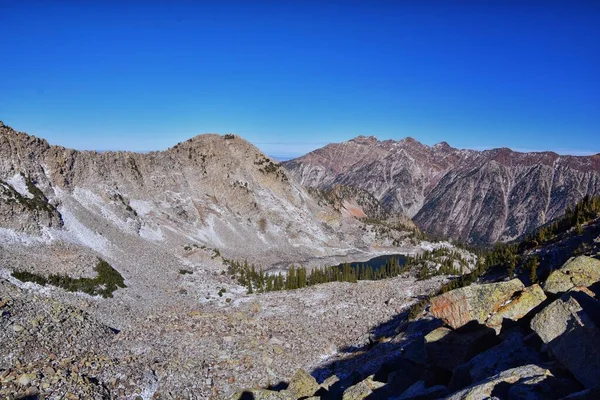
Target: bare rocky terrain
(167, 222)
(114, 284)
(476, 196)
(500, 340)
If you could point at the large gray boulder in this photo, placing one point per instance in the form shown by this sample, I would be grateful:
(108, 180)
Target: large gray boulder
(511, 353)
(473, 303)
(578, 271)
(569, 327)
(524, 375)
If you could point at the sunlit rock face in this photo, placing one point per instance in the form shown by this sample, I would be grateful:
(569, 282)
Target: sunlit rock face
(477, 196)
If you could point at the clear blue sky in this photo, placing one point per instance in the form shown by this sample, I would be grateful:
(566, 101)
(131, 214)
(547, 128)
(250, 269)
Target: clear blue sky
(292, 75)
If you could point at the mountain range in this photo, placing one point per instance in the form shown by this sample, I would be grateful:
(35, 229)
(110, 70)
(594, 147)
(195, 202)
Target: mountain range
(479, 197)
(116, 268)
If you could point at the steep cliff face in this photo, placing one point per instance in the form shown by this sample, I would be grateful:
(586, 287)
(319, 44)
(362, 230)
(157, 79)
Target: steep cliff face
(479, 196)
(216, 191)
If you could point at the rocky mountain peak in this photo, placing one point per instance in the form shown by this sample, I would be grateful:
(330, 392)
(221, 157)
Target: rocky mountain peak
(479, 196)
(442, 146)
(366, 140)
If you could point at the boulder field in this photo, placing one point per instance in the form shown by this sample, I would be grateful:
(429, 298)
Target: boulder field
(499, 340)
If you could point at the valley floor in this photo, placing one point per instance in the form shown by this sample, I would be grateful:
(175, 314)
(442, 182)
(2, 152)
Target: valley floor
(206, 349)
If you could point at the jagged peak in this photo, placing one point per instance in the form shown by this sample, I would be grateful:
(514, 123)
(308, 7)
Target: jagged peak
(412, 142)
(442, 146)
(362, 139)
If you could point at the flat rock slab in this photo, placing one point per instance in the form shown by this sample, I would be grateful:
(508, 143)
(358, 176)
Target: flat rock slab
(579, 271)
(473, 303)
(569, 327)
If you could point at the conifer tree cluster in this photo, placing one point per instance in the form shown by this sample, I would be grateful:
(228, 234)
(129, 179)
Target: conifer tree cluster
(441, 261)
(256, 280)
(588, 209)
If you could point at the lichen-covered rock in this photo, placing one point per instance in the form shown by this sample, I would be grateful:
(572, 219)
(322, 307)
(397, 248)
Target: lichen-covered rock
(447, 348)
(520, 306)
(578, 271)
(569, 327)
(473, 303)
(303, 384)
(524, 375)
(362, 389)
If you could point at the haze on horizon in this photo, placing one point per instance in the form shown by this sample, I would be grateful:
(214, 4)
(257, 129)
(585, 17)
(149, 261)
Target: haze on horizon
(292, 77)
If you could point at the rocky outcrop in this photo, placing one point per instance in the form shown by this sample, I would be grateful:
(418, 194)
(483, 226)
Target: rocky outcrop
(302, 384)
(519, 306)
(25, 208)
(507, 342)
(570, 328)
(580, 271)
(352, 201)
(362, 390)
(479, 196)
(473, 303)
(527, 375)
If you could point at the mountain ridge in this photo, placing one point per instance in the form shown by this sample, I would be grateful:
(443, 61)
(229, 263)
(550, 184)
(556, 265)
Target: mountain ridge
(410, 177)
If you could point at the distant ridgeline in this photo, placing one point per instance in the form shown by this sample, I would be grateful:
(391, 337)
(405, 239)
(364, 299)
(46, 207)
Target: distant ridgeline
(441, 261)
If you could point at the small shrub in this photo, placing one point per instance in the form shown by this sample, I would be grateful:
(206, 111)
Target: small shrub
(185, 272)
(417, 309)
(262, 225)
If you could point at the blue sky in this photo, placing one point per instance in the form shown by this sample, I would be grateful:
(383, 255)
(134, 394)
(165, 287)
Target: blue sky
(291, 76)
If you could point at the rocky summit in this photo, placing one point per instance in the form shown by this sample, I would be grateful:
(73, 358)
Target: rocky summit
(476, 196)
